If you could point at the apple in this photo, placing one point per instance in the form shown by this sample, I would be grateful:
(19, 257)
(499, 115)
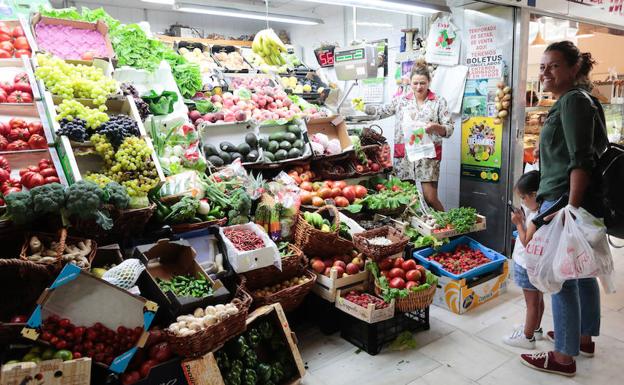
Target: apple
(397, 283)
(339, 271)
(397, 272)
(216, 99)
(398, 262)
(410, 264)
(327, 272)
(340, 264)
(413, 275)
(318, 266)
(328, 262)
(411, 284)
(358, 261)
(240, 116)
(349, 193)
(352, 268)
(386, 264)
(218, 116)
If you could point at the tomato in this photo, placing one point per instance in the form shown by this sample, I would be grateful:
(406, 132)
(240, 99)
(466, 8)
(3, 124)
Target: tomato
(18, 133)
(17, 32)
(307, 186)
(4, 129)
(21, 43)
(7, 86)
(3, 96)
(17, 123)
(23, 52)
(349, 193)
(318, 201)
(37, 141)
(4, 36)
(336, 192)
(7, 46)
(4, 175)
(21, 77)
(360, 191)
(341, 201)
(23, 87)
(19, 97)
(340, 184)
(17, 145)
(3, 142)
(35, 127)
(32, 179)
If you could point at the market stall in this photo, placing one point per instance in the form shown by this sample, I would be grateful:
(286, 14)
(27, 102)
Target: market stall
(185, 199)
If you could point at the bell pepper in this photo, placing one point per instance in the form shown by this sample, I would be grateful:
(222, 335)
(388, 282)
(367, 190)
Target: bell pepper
(250, 359)
(223, 361)
(277, 343)
(253, 338)
(249, 377)
(278, 373)
(237, 367)
(265, 373)
(232, 378)
(239, 347)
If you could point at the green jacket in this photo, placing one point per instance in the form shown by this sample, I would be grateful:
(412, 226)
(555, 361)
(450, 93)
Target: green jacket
(570, 139)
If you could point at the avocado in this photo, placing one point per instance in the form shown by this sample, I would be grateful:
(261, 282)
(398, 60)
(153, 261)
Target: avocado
(281, 154)
(227, 146)
(278, 136)
(236, 155)
(273, 146)
(227, 158)
(243, 148)
(264, 143)
(289, 136)
(293, 128)
(269, 156)
(252, 156)
(298, 144)
(215, 160)
(209, 149)
(285, 145)
(294, 153)
(251, 139)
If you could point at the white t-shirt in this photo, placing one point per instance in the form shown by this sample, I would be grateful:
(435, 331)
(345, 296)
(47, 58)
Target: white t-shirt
(519, 252)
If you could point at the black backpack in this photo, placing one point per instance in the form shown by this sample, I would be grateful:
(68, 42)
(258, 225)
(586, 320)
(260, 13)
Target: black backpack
(605, 198)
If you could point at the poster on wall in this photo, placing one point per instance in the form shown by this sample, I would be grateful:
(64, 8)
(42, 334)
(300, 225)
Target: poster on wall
(481, 149)
(479, 98)
(484, 52)
(443, 43)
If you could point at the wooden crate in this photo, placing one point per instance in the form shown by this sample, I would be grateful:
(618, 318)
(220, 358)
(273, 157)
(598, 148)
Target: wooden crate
(425, 229)
(51, 372)
(367, 314)
(327, 287)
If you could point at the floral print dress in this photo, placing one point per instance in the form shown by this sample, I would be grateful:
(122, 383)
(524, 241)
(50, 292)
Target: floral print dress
(433, 110)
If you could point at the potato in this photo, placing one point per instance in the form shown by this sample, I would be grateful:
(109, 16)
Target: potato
(199, 312)
(196, 325)
(209, 320)
(497, 99)
(503, 114)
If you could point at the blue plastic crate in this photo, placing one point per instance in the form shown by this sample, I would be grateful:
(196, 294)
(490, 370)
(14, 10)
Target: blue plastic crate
(497, 259)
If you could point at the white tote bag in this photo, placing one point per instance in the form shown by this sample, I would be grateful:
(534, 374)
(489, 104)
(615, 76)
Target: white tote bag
(443, 42)
(540, 254)
(418, 144)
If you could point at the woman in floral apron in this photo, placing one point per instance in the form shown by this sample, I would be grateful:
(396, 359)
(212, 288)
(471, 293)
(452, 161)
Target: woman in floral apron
(422, 105)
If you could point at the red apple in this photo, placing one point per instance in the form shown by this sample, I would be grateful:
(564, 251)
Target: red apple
(397, 272)
(410, 264)
(386, 264)
(339, 263)
(339, 271)
(327, 271)
(397, 283)
(398, 262)
(318, 266)
(328, 262)
(411, 284)
(413, 275)
(352, 268)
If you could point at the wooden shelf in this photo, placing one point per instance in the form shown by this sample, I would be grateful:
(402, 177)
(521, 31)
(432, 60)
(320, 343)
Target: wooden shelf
(173, 39)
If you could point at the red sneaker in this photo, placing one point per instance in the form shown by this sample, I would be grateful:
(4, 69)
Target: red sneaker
(545, 361)
(586, 350)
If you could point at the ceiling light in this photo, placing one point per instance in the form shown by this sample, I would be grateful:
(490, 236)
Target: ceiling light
(233, 12)
(167, 2)
(384, 5)
(371, 24)
(538, 41)
(584, 31)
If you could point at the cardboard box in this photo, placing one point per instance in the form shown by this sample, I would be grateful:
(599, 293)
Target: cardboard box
(107, 255)
(85, 300)
(327, 287)
(460, 296)
(243, 261)
(335, 128)
(425, 229)
(367, 314)
(204, 370)
(100, 26)
(165, 259)
(51, 372)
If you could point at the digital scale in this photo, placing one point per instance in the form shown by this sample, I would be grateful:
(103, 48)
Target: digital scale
(355, 62)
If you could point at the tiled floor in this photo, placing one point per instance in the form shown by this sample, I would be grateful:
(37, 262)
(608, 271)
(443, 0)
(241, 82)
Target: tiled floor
(467, 349)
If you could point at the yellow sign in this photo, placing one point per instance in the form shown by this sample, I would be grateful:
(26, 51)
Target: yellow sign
(481, 149)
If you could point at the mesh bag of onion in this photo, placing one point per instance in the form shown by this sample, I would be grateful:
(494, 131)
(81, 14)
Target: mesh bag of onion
(125, 274)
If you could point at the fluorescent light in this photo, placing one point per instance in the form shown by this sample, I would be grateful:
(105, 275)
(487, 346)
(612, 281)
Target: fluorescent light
(233, 12)
(166, 2)
(371, 24)
(384, 5)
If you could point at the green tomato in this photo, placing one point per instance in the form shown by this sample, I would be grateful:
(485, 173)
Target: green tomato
(64, 355)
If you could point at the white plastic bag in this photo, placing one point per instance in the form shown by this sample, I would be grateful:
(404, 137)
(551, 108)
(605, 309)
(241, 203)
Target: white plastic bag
(540, 254)
(418, 143)
(583, 250)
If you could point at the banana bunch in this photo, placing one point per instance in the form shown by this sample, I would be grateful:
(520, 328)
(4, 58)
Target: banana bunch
(269, 47)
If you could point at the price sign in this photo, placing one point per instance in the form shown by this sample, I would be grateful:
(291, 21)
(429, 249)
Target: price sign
(325, 56)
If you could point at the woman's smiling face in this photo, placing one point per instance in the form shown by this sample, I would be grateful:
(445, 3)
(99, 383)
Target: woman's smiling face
(555, 73)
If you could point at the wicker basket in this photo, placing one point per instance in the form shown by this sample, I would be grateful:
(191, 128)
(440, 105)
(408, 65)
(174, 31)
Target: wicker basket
(185, 227)
(399, 241)
(372, 135)
(128, 223)
(293, 265)
(291, 297)
(62, 239)
(213, 337)
(316, 242)
(331, 171)
(414, 301)
(21, 284)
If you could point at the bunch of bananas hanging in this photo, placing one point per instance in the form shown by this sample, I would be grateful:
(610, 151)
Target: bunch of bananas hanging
(269, 47)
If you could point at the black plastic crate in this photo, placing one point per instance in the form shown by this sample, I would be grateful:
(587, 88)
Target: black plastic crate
(321, 313)
(372, 337)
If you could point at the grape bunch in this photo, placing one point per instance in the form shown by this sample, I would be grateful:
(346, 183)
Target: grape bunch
(71, 109)
(98, 178)
(117, 128)
(141, 105)
(74, 80)
(75, 129)
(104, 148)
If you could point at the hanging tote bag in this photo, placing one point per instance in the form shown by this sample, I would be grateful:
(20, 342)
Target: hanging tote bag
(418, 143)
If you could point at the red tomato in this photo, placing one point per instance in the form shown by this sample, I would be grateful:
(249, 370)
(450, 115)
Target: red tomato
(23, 52)
(4, 36)
(17, 123)
(6, 86)
(37, 141)
(21, 77)
(341, 201)
(17, 32)
(349, 193)
(21, 43)
(35, 127)
(19, 97)
(7, 46)
(23, 87)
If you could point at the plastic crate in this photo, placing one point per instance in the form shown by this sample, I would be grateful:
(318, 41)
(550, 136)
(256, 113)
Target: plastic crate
(372, 337)
(437, 269)
(322, 313)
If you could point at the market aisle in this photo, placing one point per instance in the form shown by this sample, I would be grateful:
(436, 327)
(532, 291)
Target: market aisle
(467, 349)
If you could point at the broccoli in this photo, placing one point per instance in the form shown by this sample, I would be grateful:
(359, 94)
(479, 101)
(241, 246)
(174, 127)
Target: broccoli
(20, 207)
(84, 199)
(117, 195)
(49, 198)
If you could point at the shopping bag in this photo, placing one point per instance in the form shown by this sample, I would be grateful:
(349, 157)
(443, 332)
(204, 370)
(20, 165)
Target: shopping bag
(583, 250)
(418, 143)
(540, 254)
(443, 44)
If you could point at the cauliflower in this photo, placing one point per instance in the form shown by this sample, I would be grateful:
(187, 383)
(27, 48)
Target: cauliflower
(49, 198)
